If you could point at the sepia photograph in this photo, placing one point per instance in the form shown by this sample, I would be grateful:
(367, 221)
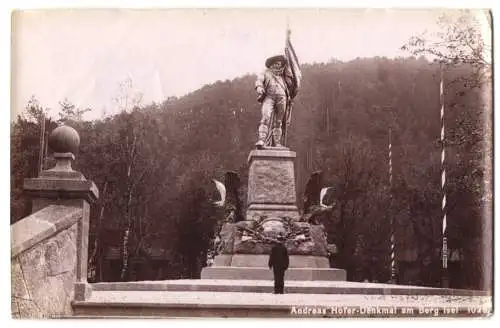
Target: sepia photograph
(251, 163)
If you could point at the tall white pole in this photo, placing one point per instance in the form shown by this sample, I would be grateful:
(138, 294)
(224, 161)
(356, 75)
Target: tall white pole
(444, 252)
(390, 157)
(393, 242)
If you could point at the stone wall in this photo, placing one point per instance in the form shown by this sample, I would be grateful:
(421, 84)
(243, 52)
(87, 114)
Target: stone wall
(43, 263)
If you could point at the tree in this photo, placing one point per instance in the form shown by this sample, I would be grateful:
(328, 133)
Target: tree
(26, 156)
(463, 48)
(69, 113)
(195, 223)
(359, 226)
(464, 39)
(127, 98)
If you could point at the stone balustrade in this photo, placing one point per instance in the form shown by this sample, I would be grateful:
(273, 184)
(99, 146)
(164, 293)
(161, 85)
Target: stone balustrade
(49, 248)
(43, 262)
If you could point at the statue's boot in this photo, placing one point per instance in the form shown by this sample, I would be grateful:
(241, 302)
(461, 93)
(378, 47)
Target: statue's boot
(262, 136)
(277, 137)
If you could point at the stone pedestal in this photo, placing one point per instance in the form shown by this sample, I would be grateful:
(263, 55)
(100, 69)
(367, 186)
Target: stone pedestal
(63, 186)
(271, 184)
(260, 260)
(272, 211)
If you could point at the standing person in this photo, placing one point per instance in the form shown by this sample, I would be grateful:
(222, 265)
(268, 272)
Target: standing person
(272, 92)
(276, 87)
(278, 261)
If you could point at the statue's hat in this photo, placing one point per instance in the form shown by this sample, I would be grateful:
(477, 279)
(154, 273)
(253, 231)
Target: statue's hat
(271, 60)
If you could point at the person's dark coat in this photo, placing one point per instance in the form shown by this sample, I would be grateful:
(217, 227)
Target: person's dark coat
(279, 260)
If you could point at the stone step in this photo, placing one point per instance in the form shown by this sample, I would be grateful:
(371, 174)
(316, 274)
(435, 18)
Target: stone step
(261, 260)
(291, 287)
(262, 273)
(217, 304)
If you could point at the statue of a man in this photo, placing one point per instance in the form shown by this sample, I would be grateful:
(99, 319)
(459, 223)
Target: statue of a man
(273, 93)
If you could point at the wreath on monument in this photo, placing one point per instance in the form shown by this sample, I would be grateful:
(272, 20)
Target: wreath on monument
(292, 231)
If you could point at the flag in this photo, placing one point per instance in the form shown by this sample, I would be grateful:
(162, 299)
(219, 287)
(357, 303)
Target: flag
(293, 75)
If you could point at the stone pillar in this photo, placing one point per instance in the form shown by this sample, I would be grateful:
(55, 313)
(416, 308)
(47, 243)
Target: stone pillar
(61, 185)
(271, 184)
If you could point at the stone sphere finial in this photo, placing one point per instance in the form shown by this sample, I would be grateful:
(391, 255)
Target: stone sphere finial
(64, 139)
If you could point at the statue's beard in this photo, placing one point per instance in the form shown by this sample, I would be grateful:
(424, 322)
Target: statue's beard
(277, 71)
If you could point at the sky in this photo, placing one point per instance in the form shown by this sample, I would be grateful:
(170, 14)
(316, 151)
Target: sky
(84, 54)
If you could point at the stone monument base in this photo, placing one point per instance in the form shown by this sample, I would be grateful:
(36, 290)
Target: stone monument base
(254, 267)
(271, 184)
(261, 260)
(261, 273)
(249, 238)
(242, 251)
(256, 211)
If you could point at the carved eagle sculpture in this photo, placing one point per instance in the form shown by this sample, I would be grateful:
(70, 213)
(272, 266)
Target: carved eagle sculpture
(322, 197)
(315, 196)
(222, 192)
(313, 190)
(229, 195)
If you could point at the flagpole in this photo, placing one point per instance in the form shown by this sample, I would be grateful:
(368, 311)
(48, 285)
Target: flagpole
(42, 143)
(288, 31)
(444, 252)
(292, 72)
(393, 243)
(390, 158)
